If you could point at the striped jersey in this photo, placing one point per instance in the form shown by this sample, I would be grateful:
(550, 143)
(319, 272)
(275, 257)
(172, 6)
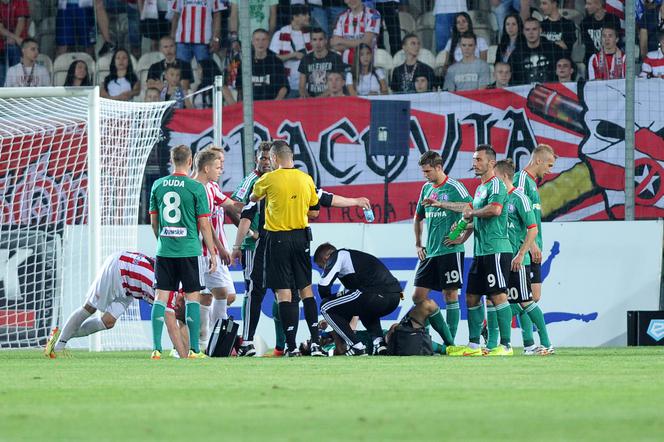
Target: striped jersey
(353, 27)
(216, 199)
(526, 182)
(137, 274)
(195, 22)
(440, 221)
(287, 41)
(653, 65)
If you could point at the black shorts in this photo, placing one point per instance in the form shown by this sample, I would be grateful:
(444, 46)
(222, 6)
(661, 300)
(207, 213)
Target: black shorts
(444, 272)
(519, 287)
(287, 260)
(169, 273)
(488, 274)
(535, 272)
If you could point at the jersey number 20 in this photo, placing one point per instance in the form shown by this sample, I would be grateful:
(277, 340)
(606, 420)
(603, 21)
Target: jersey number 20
(171, 211)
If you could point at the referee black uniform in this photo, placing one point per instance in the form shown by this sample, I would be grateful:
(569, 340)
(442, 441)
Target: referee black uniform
(371, 292)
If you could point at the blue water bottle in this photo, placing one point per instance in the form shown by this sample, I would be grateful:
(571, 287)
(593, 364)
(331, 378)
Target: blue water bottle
(369, 215)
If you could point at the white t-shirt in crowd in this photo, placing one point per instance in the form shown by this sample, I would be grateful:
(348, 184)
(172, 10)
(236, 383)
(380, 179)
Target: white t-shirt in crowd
(119, 86)
(20, 76)
(369, 83)
(449, 6)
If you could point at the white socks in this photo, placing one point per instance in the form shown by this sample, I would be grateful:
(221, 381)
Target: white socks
(219, 310)
(90, 326)
(205, 320)
(71, 326)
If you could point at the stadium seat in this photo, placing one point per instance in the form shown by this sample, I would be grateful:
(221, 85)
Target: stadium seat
(46, 36)
(480, 19)
(144, 63)
(441, 60)
(493, 23)
(491, 55)
(45, 61)
(425, 56)
(578, 52)
(383, 60)
(407, 22)
(486, 34)
(62, 63)
(425, 30)
(572, 14)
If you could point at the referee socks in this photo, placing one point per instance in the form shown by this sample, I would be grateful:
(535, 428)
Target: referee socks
(289, 312)
(311, 316)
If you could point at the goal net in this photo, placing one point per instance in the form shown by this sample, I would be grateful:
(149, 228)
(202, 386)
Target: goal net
(71, 168)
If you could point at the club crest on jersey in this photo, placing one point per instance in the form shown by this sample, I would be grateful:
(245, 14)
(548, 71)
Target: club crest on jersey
(510, 207)
(173, 232)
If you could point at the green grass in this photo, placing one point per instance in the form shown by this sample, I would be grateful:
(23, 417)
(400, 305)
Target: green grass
(578, 394)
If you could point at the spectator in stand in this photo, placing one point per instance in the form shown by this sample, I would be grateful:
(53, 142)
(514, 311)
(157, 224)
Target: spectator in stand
(291, 43)
(502, 72)
(556, 28)
(469, 73)
(650, 25)
(196, 28)
(535, 61)
(463, 24)
(75, 26)
(207, 71)
(591, 26)
(27, 73)
(102, 22)
(511, 38)
(262, 15)
(389, 12)
(152, 95)
(128, 7)
(609, 63)
(422, 84)
(326, 12)
(121, 83)
(503, 8)
(14, 22)
(358, 25)
(565, 70)
(155, 20)
(403, 76)
(156, 72)
(78, 74)
(268, 74)
(336, 86)
(173, 89)
(314, 66)
(653, 65)
(364, 78)
(445, 12)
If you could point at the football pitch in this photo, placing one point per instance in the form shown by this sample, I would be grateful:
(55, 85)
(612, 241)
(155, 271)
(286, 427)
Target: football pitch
(577, 394)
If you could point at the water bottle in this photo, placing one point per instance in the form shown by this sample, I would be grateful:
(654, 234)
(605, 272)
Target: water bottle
(458, 230)
(369, 215)
(178, 96)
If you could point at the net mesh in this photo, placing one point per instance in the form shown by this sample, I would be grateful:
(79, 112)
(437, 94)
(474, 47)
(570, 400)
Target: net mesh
(44, 251)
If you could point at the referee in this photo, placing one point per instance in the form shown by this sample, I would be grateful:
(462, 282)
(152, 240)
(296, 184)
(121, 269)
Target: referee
(289, 194)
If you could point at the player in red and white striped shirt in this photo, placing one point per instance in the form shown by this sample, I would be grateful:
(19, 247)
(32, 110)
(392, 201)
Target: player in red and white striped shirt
(359, 24)
(209, 165)
(123, 277)
(195, 25)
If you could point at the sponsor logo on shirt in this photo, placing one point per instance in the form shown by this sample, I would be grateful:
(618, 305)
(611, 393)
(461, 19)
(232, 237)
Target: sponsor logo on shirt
(174, 232)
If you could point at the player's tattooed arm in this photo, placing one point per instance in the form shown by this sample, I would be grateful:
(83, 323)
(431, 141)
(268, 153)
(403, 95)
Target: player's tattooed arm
(454, 207)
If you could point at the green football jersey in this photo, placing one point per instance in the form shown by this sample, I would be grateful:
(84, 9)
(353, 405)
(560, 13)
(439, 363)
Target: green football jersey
(526, 182)
(439, 221)
(521, 217)
(242, 194)
(178, 201)
(491, 233)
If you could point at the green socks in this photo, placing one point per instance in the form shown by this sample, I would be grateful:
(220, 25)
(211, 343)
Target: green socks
(193, 315)
(504, 315)
(475, 320)
(534, 312)
(452, 316)
(278, 329)
(492, 327)
(525, 324)
(438, 323)
(157, 318)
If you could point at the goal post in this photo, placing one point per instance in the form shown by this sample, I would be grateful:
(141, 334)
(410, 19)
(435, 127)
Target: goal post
(71, 169)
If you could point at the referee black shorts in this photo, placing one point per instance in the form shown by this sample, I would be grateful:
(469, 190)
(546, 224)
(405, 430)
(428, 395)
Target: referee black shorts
(169, 273)
(287, 261)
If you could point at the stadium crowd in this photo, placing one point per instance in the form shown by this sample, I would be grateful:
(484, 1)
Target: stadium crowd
(155, 50)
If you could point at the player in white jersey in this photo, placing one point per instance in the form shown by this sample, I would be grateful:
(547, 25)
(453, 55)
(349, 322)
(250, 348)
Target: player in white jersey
(209, 165)
(123, 277)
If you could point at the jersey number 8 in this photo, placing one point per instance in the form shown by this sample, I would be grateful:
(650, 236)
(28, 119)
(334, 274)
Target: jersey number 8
(171, 211)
